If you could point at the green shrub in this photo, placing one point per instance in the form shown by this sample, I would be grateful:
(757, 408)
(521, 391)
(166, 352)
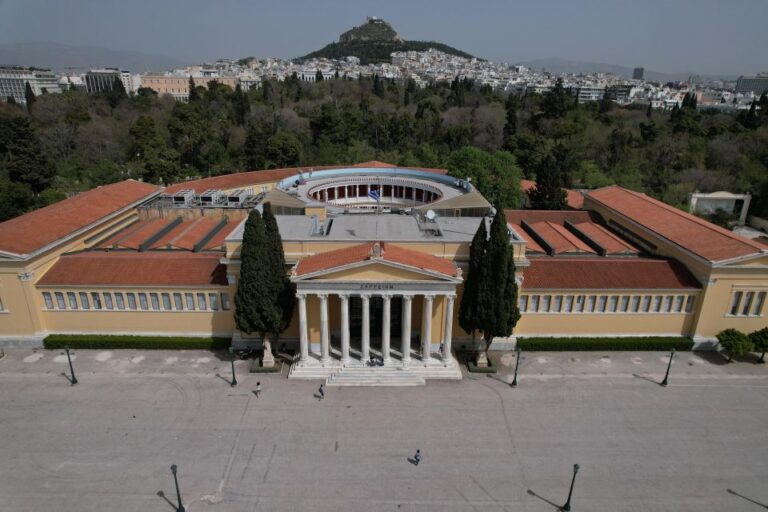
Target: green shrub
(587, 344)
(98, 341)
(735, 342)
(759, 339)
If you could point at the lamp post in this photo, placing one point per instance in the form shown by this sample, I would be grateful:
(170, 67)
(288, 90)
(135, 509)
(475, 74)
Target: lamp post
(567, 505)
(71, 369)
(234, 380)
(669, 365)
(180, 508)
(517, 363)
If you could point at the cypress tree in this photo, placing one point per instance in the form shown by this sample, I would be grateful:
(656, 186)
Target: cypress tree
(116, 93)
(29, 96)
(318, 76)
(240, 105)
(510, 128)
(649, 111)
(194, 95)
(470, 316)
(548, 194)
(281, 296)
(250, 284)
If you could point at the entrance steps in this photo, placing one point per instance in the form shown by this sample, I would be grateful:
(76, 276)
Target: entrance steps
(375, 376)
(355, 373)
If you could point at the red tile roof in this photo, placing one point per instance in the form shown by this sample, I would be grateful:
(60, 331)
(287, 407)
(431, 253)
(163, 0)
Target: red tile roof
(606, 273)
(698, 236)
(611, 242)
(359, 253)
(574, 199)
(136, 269)
(243, 179)
(557, 216)
(561, 240)
(35, 230)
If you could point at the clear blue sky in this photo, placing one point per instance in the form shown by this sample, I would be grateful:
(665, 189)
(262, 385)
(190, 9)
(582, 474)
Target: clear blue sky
(705, 36)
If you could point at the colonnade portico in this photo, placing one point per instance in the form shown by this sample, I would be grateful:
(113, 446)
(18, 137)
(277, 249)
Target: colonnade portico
(387, 351)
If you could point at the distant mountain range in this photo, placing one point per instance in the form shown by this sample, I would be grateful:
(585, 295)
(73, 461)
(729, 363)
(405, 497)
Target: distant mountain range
(558, 65)
(61, 57)
(373, 42)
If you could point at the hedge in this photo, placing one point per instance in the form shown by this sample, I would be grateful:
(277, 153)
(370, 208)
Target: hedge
(97, 341)
(586, 344)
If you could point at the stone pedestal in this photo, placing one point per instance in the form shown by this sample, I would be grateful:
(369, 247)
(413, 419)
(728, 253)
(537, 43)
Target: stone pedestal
(482, 360)
(268, 360)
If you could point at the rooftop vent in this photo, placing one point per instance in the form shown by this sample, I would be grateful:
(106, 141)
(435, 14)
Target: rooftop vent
(211, 197)
(183, 197)
(237, 197)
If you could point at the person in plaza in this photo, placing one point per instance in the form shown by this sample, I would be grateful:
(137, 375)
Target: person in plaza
(258, 389)
(321, 391)
(417, 458)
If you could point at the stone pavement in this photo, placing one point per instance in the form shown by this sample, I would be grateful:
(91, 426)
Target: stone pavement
(108, 442)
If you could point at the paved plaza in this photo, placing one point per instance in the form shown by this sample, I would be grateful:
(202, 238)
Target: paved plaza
(108, 442)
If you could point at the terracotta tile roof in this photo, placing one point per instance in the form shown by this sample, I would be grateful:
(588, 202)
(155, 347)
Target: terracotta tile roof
(612, 242)
(243, 179)
(217, 242)
(606, 273)
(562, 240)
(359, 253)
(35, 230)
(531, 245)
(557, 216)
(136, 234)
(698, 236)
(136, 269)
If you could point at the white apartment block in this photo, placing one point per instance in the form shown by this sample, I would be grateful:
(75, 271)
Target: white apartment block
(13, 82)
(99, 80)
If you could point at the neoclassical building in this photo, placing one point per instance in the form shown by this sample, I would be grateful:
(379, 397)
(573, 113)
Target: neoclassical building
(377, 255)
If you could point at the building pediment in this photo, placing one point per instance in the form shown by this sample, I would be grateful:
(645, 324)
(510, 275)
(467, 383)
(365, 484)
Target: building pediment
(375, 262)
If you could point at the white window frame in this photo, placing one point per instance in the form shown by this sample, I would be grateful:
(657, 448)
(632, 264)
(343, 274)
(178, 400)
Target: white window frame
(108, 301)
(166, 299)
(155, 301)
(690, 303)
(213, 300)
(143, 302)
(119, 300)
(758, 311)
(202, 303)
(225, 301)
(48, 299)
(60, 302)
(522, 303)
(85, 303)
(72, 299)
(190, 297)
(735, 302)
(613, 303)
(568, 303)
(534, 304)
(624, 305)
(178, 302)
(679, 303)
(96, 298)
(132, 304)
(557, 303)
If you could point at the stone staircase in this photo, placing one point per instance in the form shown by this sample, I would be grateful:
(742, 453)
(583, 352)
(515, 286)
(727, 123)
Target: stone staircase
(374, 376)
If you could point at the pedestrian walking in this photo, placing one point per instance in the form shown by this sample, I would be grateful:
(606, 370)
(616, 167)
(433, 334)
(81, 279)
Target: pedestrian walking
(321, 391)
(258, 389)
(417, 458)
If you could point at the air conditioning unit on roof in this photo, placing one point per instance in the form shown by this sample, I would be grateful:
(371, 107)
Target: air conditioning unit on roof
(212, 197)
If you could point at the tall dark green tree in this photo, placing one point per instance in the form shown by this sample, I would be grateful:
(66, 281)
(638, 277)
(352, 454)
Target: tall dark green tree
(284, 293)
(557, 102)
(470, 312)
(318, 76)
(29, 96)
(194, 93)
(116, 93)
(510, 125)
(548, 194)
(240, 105)
(498, 292)
(25, 160)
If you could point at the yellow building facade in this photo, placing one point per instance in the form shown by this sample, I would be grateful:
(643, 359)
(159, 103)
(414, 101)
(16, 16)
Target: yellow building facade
(378, 256)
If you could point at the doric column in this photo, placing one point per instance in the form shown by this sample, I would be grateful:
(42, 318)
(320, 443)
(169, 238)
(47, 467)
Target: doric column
(303, 338)
(344, 328)
(448, 327)
(325, 343)
(365, 335)
(406, 331)
(426, 328)
(386, 299)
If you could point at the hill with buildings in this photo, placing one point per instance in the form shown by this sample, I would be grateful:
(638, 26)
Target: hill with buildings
(373, 42)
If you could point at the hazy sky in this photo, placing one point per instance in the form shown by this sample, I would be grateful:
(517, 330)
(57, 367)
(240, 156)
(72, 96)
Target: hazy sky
(705, 36)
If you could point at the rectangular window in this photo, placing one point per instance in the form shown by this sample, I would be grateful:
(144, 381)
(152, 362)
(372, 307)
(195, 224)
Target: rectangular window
(635, 303)
(225, 301)
(190, 301)
(668, 303)
(759, 304)
(108, 301)
(735, 303)
(60, 300)
(96, 300)
(568, 303)
(143, 301)
(646, 304)
(131, 301)
(120, 301)
(657, 303)
(201, 304)
(213, 298)
(747, 303)
(624, 304)
(601, 303)
(591, 301)
(48, 300)
(545, 301)
(557, 303)
(689, 303)
(679, 303)
(613, 303)
(579, 304)
(534, 303)
(178, 302)
(166, 301)
(72, 298)
(84, 300)
(522, 303)
(155, 301)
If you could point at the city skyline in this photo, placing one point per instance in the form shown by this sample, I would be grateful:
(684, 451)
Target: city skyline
(701, 37)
